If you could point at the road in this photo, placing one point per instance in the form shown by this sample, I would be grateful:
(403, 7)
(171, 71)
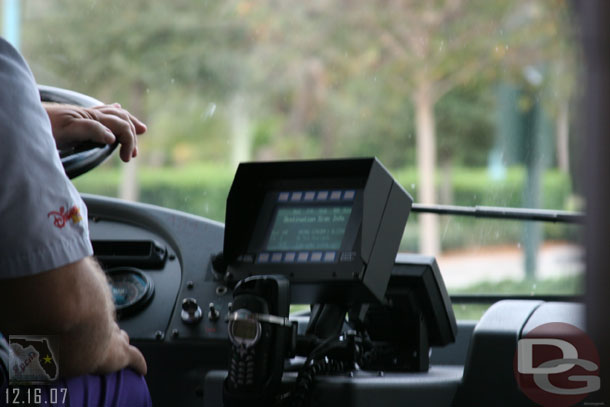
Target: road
(466, 267)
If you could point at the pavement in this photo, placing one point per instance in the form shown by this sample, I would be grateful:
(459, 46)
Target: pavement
(497, 263)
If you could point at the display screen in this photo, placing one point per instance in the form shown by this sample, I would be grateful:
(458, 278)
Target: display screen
(308, 228)
(244, 329)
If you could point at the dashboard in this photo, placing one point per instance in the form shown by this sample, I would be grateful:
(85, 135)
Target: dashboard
(187, 362)
(184, 271)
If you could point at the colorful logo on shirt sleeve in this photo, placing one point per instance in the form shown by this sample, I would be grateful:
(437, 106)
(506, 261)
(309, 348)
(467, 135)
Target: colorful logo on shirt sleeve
(63, 216)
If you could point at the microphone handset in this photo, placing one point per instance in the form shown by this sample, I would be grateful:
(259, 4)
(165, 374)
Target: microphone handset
(261, 338)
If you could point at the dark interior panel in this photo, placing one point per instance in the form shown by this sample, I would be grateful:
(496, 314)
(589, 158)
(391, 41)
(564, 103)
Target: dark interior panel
(187, 361)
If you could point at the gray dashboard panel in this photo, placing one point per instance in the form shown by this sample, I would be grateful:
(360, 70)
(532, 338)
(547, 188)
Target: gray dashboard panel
(436, 387)
(569, 313)
(190, 240)
(176, 366)
(186, 362)
(153, 317)
(488, 372)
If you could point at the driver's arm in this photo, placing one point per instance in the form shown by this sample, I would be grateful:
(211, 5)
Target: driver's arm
(48, 282)
(74, 303)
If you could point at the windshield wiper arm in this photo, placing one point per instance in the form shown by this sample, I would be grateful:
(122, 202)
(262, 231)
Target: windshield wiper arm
(541, 215)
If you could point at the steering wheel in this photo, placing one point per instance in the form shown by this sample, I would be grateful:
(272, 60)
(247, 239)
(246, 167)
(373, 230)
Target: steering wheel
(80, 159)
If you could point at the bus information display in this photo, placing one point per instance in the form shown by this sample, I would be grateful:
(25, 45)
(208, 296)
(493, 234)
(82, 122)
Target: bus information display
(308, 228)
(332, 227)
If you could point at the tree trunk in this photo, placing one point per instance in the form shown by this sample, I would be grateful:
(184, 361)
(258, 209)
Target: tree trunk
(241, 140)
(563, 142)
(128, 187)
(446, 183)
(426, 167)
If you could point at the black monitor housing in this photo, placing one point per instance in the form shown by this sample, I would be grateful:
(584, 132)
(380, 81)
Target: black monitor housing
(332, 227)
(415, 315)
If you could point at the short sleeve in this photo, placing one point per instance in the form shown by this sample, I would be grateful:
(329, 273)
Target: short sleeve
(43, 220)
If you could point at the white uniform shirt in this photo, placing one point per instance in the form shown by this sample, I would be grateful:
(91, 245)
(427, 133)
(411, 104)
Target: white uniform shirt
(43, 220)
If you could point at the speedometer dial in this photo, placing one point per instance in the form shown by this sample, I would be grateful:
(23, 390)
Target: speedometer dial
(131, 289)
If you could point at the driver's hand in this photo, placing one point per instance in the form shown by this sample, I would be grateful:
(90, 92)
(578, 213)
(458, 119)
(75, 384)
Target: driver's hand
(120, 354)
(105, 124)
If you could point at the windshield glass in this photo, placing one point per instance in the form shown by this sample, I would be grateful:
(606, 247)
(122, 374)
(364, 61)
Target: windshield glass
(466, 103)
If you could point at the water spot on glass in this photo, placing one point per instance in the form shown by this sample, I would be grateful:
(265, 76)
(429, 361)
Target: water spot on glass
(533, 75)
(413, 186)
(518, 245)
(172, 81)
(209, 112)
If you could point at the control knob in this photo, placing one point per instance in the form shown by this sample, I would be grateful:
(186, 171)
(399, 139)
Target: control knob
(213, 313)
(191, 311)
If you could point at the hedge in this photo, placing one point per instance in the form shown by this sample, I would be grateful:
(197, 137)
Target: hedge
(202, 189)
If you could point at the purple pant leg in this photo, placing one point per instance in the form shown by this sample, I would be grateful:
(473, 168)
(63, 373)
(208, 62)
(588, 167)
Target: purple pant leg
(124, 388)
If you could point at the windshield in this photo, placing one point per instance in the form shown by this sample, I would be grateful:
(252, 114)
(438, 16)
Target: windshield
(466, 103)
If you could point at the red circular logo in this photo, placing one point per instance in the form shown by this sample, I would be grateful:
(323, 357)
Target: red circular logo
(557, 365)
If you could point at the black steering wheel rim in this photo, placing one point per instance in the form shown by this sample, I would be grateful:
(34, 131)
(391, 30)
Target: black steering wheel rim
(84, 157)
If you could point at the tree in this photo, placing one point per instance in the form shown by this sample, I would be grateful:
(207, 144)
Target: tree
(427, 49)
(438, 45)
(299, 79)
(143, 53)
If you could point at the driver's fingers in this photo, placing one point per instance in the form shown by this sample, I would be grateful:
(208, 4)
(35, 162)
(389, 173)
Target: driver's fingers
(138, 124)
(116, 109)
(136, 360)
(125, 335)
(122, 114)
(90, 130)
(124, 132)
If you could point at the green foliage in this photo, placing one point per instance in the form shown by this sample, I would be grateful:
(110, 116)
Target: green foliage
(197, 189)
(469, 312)
(318, 79)
(167, 62)
(465, 128)
(191, 128)
(201, 189)
(311, 80)
(474, 186)
(569, 286)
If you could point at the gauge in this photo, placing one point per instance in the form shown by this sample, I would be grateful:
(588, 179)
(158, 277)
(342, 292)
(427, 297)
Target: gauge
(131, 289)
